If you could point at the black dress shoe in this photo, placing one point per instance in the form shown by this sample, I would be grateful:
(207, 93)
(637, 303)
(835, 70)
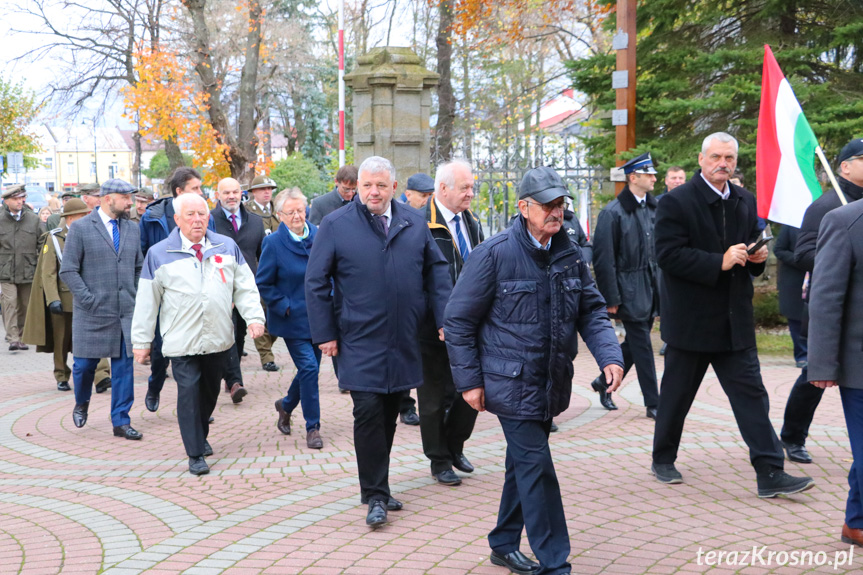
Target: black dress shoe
(103, 385)
(151, 400)
(651, 412)
(460, 462)
(197, 466)
(127, 432)
(394, 504)
(410, 417)
(604, 397)
(211, 420)
(447, 477)
(13, 346)
(208, 449)
(377, 514)
(284, 422)
(23, 346)
(516, 562)
(79, 414)
(245, 354)
(270, 366)
(63, 386)
(797, 452)
(553, 428)
(663, 348)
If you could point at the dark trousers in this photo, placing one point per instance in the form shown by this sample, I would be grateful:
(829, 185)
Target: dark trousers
(122, 383)
(407, 402)
(739, 374)
(375, 417)
(198, 379)
(446, 420)
(801, 344)
(158, 363)
(638, 350)
(232, 373)
(852, 405)
(531, 499)
(800, 409)
(304, 387)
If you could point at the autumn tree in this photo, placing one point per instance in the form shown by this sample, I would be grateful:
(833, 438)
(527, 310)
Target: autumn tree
(18, 110)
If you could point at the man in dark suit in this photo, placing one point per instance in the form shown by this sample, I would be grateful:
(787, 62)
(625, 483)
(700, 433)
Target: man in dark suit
(835, 328)
(446, 420)
(232, 219)
(368, 263)
(101, 265)
(341, 195)
(703, 231)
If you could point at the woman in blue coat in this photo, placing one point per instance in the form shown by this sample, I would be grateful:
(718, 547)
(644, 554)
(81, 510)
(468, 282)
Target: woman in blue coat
(281, 280)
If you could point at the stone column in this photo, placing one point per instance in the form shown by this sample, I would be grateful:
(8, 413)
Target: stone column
(391, 104)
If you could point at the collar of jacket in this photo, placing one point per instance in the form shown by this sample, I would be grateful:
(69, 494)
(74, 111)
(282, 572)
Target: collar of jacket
(174, 243)
(396, 223)
(436, 219)
(629, 202)
(302, 247)
(850, 189)
(560, 244)
(219, 212)
(707, 192)
(157, 209)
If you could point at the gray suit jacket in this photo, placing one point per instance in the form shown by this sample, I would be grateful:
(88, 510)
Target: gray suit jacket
(324, 205)
(103, 284)
(836, 300)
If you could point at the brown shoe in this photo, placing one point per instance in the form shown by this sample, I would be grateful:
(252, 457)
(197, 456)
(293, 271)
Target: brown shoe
(284, 423)
(238, 392)
(852, 536)
(313, 439)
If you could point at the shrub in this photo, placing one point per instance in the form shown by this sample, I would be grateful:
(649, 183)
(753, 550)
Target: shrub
(295, 170)
(765, 305)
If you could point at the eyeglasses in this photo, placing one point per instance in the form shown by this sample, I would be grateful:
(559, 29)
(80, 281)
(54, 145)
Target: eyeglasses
(548, 208)
(293, 213)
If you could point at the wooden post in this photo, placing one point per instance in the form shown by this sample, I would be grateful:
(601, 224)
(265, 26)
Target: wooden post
(625, 97)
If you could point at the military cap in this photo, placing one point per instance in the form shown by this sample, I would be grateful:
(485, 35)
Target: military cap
(69, 194)
(420, 183)
(74, 207)
(15, 191)
(262, 182)
(542, 185)
(87, 189)
(642, 164)
(144, 193)
(117, 186)
(852, 149)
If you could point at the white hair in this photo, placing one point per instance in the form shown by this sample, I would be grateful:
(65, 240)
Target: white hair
(445, 173)
(377, 164)
(722, 137)
(179, 203)
(289, 194)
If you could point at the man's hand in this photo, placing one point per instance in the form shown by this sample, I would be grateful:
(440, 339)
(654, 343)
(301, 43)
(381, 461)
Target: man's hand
(141, 355)
(759, 256)
(55, 307)
(735, 256)
(612, 309)
(613, 376)
(824, 384)
(255, 330)
(331, 348)
(475, 398)
(440, 334)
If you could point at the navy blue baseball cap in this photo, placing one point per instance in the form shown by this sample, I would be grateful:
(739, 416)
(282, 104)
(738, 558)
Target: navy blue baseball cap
(642, 164)
(852, 149)
(420, 183)
(117, 186)
(542, 185)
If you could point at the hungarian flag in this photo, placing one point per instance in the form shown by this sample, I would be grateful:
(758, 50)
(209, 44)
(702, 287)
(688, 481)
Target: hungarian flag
(785, 151)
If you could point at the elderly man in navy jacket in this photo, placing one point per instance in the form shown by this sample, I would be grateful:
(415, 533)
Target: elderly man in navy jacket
(512, 328)
(369, 261)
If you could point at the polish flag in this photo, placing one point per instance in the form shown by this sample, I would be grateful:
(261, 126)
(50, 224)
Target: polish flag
(785, 151)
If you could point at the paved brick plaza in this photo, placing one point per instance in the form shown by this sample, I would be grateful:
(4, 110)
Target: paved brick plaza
(82, 501)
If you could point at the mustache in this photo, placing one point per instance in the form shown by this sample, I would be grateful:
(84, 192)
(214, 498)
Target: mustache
(717, 170)
(553, 219)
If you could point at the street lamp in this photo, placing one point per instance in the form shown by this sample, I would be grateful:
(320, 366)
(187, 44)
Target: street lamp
(95, 152)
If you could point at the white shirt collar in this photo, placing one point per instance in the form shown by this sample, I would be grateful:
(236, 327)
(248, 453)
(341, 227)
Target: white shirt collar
(724, 195)
(187, 243)
(447, 214)
(105, 219)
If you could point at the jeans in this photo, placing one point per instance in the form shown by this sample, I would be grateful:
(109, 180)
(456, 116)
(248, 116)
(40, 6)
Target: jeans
(304, 387)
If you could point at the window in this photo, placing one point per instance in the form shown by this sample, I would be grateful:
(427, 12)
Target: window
(70, 168)
(113, 171)
(49, 163)
(93, 169)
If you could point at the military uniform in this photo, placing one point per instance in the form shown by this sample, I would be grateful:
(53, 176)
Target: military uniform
(52, 332)
(18, 254)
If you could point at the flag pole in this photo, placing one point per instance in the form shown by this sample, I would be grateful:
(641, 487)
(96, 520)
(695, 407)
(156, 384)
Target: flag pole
(830, 175)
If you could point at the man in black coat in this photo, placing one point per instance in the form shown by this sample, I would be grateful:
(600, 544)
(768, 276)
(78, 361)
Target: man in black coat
(627, 275)
(232, 219)
(341, 195)
(512, 329)
(703, 231)
(370, 265)
(804, 399)
(446, 421)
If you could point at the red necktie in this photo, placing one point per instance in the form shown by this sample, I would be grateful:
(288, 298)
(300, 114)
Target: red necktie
(234, 223)
(198, 254)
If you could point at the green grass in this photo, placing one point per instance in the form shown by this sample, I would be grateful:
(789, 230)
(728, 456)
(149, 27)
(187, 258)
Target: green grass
(774, 344)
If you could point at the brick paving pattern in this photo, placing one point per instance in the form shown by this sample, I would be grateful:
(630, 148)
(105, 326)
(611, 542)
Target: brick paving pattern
(82, 501)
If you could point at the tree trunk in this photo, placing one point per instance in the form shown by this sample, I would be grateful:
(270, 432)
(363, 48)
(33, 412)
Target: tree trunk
(468, 128)
(136, 161)
(243, 164)
(268, 131)
(446, 98)
(175, 156)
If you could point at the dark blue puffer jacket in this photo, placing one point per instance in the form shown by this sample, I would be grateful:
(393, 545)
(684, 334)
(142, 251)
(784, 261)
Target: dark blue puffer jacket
(158, 221)
(512, 319)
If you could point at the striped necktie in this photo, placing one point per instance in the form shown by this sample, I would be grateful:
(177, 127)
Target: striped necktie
(462, 243)
(116, 233)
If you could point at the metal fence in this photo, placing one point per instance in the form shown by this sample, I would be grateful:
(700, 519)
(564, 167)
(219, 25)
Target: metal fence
(499, 165)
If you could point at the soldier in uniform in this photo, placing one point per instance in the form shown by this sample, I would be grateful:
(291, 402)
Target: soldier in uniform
(20, 229)
(49, 317)
(261, 204)
(54, 219)
(142, 198)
